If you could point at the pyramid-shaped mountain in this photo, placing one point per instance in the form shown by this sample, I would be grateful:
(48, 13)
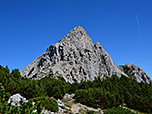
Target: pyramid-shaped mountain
(75, 58)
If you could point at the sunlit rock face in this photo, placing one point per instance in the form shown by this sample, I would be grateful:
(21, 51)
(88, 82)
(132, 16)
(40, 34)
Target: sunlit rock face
(136, 73)
(75, 58)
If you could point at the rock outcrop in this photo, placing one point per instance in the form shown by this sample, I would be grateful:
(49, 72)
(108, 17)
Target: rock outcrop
(15, 99)
(75, 57)
(136, 73)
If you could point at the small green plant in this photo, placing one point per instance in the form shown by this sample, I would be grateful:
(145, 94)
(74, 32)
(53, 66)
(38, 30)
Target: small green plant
(24, 108)
(103, 93)
(90, 112)
(118, 110)
(54, 105)
(49, 103)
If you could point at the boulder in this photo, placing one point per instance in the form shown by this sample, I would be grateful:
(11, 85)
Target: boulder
(15, 99)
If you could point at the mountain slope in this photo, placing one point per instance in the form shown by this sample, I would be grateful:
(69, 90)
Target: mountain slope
(75, 57)
(136, 73)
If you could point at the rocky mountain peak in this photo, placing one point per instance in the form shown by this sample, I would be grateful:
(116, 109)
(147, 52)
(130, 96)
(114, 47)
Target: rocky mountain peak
(78, 29)
(77, 37)
(136, 73)
(75, 57)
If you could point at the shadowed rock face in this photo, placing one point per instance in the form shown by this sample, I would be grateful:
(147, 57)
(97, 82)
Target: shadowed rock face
(136, 73)
(75, 57)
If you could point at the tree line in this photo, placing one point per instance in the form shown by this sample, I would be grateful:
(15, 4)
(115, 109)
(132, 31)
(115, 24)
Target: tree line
(108, 93)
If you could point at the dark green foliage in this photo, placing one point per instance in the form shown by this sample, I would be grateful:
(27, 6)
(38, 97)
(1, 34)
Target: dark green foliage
(54, 105)
(90, 112)
(48, 103)
(3, 103)
(54, 87)
(85, 97)
(108, 93)
(25, 108)
(118, 111)
(28, 88)
(32, 89)
(114, 92)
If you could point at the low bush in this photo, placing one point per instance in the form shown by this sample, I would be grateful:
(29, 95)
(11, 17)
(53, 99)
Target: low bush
(24, 108)
(108, 93)
(90, 112)
(49, 103)
(118, 110)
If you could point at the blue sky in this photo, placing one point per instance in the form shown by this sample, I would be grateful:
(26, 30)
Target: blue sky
(123, 27)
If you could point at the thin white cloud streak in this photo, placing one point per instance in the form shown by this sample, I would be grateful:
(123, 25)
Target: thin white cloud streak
(138, 25)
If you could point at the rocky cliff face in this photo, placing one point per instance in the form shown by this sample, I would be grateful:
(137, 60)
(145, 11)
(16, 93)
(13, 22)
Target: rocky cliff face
(136, 73)
(74, 58)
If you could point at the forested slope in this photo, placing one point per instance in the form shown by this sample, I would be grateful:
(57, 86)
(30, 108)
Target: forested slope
(108, 93)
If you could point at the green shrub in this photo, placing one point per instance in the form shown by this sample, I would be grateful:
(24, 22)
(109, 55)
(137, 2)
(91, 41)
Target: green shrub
(86, 97)
(104, 94)
(49, 103)
(7, 108)
(118, 111)
(54, 105)
(32, 89)
(113, 92)
(90, 112)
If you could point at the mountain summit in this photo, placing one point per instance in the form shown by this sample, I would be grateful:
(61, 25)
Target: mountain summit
(135, 72)
(75, 58)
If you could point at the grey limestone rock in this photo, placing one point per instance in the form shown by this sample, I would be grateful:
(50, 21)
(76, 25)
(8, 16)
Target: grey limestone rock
(16, 98)
(136, 73)
(68, 96)
(75, 57)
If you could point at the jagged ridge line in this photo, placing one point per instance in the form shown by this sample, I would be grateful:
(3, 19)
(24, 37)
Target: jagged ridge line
(56, 43)
(139, 68)
(32, 62)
